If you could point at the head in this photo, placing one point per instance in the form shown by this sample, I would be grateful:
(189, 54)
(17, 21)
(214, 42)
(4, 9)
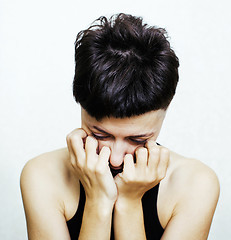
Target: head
(125, 73)
(123, 68)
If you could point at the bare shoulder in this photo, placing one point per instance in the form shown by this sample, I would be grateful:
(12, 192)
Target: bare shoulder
(189, 182)
(47, 169)
(49, 177)
(186, 173)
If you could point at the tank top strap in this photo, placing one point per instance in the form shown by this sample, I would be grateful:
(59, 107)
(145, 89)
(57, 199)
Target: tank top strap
(152, 224)
(74, 224)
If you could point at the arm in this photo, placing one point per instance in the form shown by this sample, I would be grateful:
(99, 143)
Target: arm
(196, 192)
(96, 223)
(128, 220)
(42, 205)
(94, 173)
(193, 213)
(43, 196)
(44, 208)
(135, 180)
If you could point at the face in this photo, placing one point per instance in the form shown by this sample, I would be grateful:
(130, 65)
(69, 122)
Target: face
(123, 136)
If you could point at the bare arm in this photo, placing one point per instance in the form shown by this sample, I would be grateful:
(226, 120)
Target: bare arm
(44, 203)
(135, 180)
(43, 210)
(100, 189)
(45, 214)
(196, 191)
(96, 222)
(193, 214)
(128, 220)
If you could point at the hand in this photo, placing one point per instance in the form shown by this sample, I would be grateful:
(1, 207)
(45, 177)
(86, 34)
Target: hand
(92, 168)
(147, 172)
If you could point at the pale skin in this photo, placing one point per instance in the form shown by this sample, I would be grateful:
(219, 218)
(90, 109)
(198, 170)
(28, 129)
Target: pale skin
(188, 191)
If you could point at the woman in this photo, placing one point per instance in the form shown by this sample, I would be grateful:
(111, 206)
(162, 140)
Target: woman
(113, 181)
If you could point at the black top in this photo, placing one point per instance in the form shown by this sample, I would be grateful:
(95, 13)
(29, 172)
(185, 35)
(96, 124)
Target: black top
(152, 225)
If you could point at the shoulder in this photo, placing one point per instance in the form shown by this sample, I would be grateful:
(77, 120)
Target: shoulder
(46, 168)
(187, 174)
(192, 187)
(48, 177)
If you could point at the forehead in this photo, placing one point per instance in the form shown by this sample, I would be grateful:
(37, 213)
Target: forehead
(136, 125)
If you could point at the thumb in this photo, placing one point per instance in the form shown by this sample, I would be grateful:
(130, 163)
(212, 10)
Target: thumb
(118, 179)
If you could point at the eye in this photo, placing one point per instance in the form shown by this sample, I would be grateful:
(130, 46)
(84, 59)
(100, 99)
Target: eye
(138, 141)
(99, 137)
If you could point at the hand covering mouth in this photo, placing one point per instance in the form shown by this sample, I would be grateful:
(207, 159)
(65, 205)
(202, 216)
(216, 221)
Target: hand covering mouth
(117, 170)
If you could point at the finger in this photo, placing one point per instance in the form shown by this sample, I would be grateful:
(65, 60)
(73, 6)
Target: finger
(153, 156)
(79, 131)
(103, 160)
(141, 158)
(75, 144)
(119, 180)
(163, 163)
(70, 150)
(91, 146)
(150, 143)
(129, 166)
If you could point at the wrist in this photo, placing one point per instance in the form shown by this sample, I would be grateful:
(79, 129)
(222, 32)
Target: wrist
(127, 204)
(101, 207)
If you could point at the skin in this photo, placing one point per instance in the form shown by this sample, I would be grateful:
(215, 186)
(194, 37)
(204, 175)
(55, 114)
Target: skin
(187, 197)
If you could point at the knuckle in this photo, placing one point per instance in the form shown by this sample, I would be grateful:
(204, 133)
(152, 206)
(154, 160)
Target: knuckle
(76, 134)
(151, 143)
(100, 171)
(155, 150)
(91, 140)
(79, 163)
(164, 151)
(162, 175)
(73, 161)
(165, 162)
(76, 164)
(73, 138)
(68, 137)
(90, 168)
(141, 151)
(151, 179)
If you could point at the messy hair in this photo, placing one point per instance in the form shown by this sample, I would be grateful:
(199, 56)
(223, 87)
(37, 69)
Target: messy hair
(123, 68)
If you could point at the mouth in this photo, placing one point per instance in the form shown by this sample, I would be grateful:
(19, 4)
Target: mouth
(115, 171)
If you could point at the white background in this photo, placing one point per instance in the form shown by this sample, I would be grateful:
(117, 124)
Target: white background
(37, 109)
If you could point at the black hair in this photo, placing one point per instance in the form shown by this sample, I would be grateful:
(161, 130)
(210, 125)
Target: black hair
(123, 68)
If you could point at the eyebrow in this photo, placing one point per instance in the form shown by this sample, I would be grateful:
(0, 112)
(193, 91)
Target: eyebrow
(133, 136)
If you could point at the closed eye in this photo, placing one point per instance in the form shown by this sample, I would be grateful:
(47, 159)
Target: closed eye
(106, 137)
(99, 137)
(138, 141)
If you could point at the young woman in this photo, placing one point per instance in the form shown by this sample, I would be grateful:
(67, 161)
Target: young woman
(114, 181)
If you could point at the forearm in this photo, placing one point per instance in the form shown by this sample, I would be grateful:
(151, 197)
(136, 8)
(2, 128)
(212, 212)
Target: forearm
(96, 222)
(128, 220)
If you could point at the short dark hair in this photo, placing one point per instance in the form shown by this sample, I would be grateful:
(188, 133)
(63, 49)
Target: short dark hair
(123, 68)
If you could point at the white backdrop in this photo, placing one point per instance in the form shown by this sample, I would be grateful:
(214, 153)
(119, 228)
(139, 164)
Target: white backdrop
(36, 71)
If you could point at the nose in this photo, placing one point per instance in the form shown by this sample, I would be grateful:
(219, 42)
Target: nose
(118, 151)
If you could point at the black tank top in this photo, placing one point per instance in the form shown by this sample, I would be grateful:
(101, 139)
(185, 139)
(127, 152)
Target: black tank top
(152, 224)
